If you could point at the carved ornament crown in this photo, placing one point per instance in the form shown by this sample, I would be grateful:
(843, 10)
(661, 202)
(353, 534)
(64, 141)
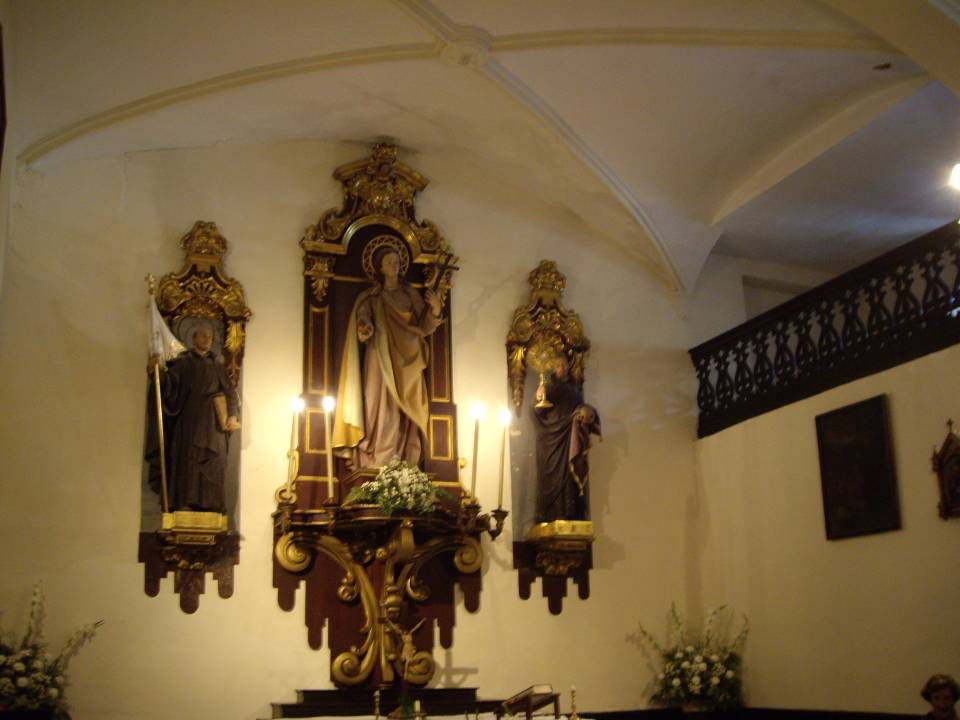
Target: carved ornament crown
(203, 290)
(543, 330)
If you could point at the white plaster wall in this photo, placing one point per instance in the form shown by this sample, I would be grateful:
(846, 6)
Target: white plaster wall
(72, 380)
(855, 624)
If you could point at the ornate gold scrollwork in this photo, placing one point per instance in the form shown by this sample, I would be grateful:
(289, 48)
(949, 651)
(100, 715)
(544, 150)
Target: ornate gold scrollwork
(542, 330)
(468, 557)
(385, 643)
(319, 268)
(290, 555)
(202, 289)
(380, 189)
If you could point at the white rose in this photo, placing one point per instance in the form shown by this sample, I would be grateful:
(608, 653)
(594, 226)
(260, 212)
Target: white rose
(695, 680)
(676, 682)
(53, 692)
(23, 682)
(678, 655)
(689, 648)
(715, 658)
(703, 666)
(729, 674)
(59, 679)
(684, 664)
(698, 659)
(714, 680)
(661, 676)
(19, 666)
(37, 665)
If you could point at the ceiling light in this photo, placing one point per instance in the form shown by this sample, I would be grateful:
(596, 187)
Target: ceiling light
(955, 176)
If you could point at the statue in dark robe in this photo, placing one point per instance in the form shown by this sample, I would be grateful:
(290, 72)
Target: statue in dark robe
(200, 410)
(563, 424)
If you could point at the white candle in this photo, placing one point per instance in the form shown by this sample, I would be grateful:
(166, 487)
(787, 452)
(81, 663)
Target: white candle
(505, 418)
(477, 412)
(296, 405)
(328, 404)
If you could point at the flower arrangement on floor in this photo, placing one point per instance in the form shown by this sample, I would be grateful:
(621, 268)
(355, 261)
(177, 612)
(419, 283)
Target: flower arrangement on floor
(30, 678)
(703, 669)
(398, 486)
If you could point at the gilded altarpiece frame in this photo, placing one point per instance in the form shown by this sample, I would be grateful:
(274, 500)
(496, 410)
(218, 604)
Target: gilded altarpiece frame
(192, 544)
(541, 331)
(378, 584)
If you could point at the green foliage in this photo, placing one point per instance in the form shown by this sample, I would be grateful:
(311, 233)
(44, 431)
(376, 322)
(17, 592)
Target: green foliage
(702, 669)
(30, 678)
(399, 486)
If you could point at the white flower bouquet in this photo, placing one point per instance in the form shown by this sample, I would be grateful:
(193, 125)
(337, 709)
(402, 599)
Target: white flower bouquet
(703, 669)
(31, 678)
(398, 486)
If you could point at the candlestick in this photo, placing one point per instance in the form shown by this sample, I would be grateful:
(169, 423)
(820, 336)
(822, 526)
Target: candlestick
(505, 418)
(328, 404)
(293, 456)
(477, 412)
(296, 405)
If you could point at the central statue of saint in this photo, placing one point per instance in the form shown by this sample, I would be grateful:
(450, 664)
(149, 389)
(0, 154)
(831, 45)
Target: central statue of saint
(382, 401)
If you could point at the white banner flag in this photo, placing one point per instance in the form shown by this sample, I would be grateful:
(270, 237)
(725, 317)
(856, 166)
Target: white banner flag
(162, 341)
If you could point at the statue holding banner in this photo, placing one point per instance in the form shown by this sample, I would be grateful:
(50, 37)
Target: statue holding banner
(200, 409)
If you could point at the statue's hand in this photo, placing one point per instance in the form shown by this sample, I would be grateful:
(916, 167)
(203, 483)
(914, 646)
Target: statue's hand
(364, 331)
(586, 415)
(152, 362)
(433, 300)
(232, 424)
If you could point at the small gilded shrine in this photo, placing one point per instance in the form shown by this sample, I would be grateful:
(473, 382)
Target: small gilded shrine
(546, 347)
(198, 322)
(372, 518)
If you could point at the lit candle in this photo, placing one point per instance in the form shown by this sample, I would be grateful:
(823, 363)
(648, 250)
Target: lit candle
(477, 412)
(505, 418)
(328, 404)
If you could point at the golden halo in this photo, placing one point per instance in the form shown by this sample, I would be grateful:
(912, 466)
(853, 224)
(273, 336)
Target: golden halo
(378, 242)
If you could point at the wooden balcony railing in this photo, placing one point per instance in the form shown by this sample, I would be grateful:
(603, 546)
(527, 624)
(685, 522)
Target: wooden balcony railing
(898, 307)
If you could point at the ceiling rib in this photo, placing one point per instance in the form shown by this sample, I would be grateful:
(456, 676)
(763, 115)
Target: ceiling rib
(247, 76)
(706, 37)
(815, 140)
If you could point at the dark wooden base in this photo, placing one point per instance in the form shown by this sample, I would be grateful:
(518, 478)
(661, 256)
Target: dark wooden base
(359, 701)
(529, 568)
(189, 566)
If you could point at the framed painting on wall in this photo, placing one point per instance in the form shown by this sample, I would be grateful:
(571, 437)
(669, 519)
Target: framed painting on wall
(856, 470)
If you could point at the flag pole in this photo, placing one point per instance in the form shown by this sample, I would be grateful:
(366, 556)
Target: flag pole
(159, 403)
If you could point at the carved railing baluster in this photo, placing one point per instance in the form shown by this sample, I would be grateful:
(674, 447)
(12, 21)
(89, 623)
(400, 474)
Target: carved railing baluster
(829, 344)
(724, 382)
(906, 308)
(705, 394)
(936, 293)
(897, 307)
(784, 362)
(743, 377)
(763, 372)
(806, 351)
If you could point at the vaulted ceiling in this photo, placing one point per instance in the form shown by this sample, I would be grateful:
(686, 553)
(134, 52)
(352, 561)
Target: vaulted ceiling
(811, 133)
